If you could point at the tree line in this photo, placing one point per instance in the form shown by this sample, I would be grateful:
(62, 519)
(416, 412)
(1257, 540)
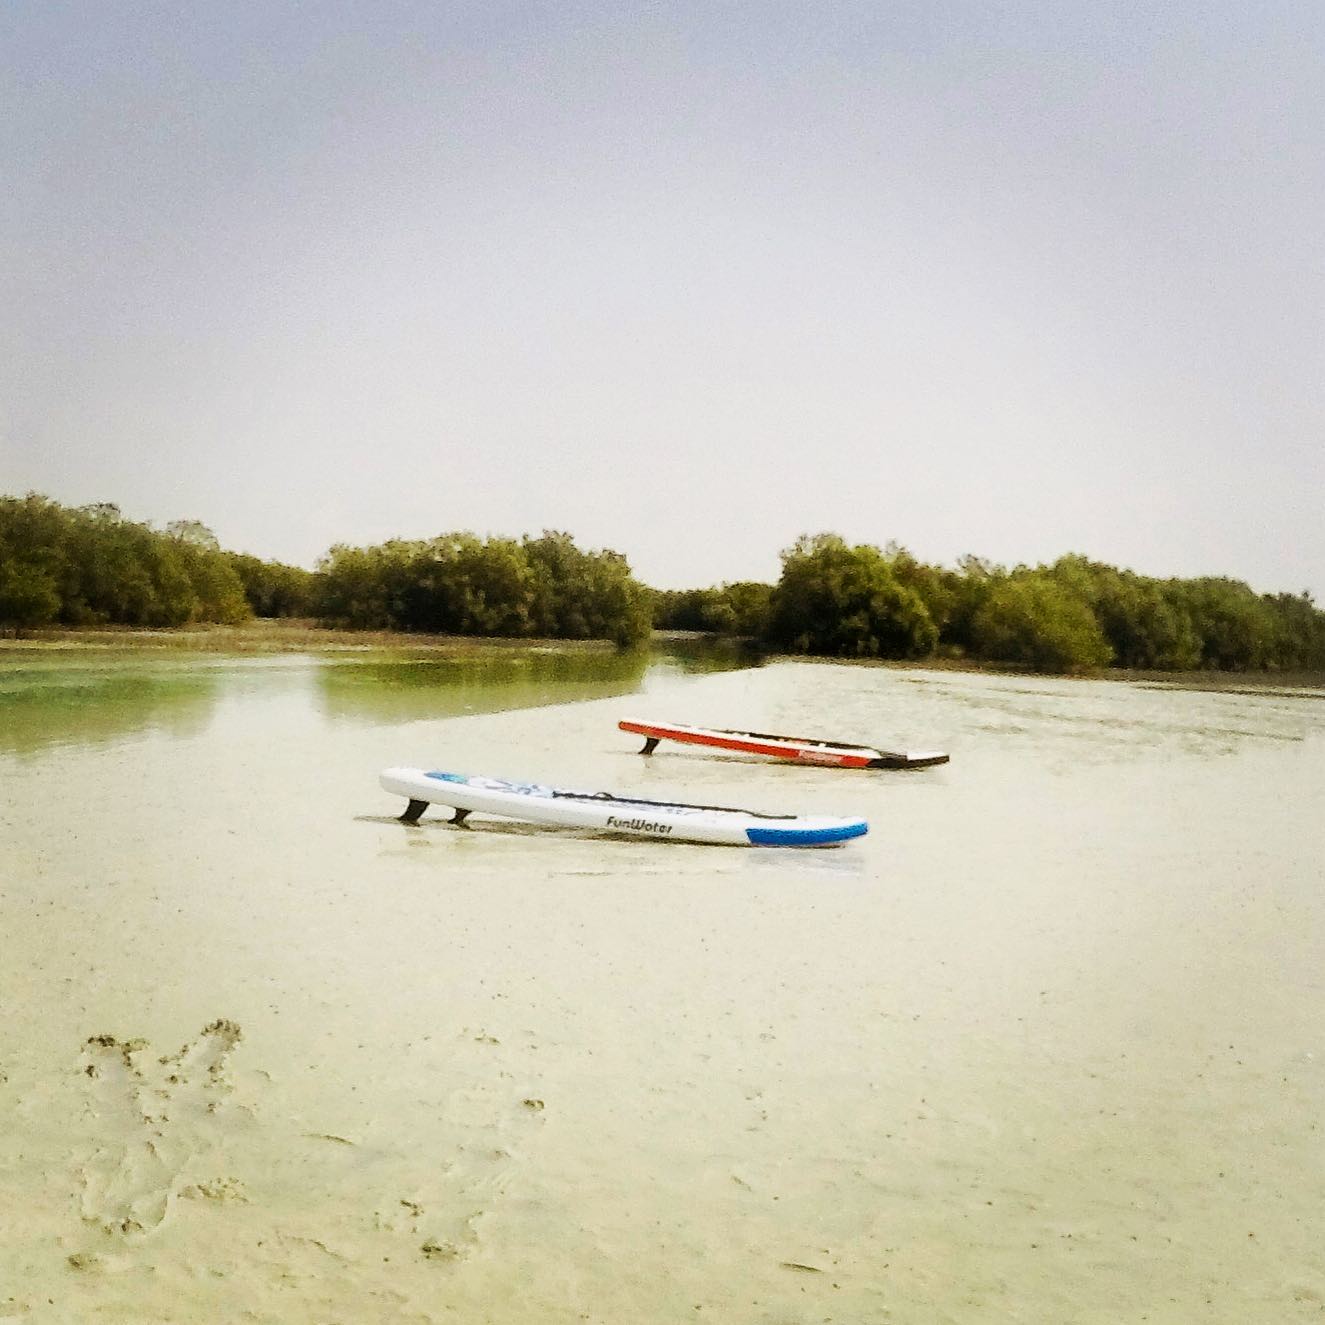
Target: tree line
(1073, 615)
(89, 565)
(459, 584)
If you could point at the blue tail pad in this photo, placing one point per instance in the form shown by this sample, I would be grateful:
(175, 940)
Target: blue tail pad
(806, 837)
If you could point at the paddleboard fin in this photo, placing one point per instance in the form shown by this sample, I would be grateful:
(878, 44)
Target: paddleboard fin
(412, 812)
(650, 744)
(459, 817)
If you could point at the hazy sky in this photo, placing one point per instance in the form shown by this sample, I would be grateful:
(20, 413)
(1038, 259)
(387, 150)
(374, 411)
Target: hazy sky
(683, 279)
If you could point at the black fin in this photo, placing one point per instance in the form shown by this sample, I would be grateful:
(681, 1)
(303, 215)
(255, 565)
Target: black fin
(650, 744)
(412, 812)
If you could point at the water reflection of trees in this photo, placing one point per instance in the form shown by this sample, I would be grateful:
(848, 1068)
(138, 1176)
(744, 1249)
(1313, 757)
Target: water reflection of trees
(402, 689)
(705, 653)
(51, 702)
(41, 707)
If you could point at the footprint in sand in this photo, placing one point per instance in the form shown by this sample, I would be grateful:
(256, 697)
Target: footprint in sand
(443, 1213)
(443, 1216)
(154, 1116)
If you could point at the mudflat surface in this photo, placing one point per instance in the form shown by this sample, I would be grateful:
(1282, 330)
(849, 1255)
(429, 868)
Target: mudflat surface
(1048, 1044)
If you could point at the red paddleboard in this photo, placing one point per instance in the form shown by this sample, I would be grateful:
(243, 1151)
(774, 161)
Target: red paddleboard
(798, 749)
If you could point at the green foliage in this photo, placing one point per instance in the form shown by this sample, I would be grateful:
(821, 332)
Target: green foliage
(462, 585)
(272, 588)
(750, 604)
(1145, 625)
(28, 596)
(1235, 625)
(1031, 619)
(216, 586)
(684, 609)
(1297, 642)
(739, 609)
(937, 589)
(966, 590)
(88, 565)
(847, 602)
(356, 587)
(194, 533)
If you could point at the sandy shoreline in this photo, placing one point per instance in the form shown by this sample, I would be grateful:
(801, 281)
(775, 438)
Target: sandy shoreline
(271, 636)
(1046, 1045)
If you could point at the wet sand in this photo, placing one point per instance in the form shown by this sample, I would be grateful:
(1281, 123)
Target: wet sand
(1047, 1045)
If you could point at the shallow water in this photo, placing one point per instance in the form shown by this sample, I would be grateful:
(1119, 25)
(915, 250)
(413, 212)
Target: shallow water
(1047, 1045)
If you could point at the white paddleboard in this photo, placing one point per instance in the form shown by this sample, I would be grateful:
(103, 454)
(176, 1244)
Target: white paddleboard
(625, 816)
